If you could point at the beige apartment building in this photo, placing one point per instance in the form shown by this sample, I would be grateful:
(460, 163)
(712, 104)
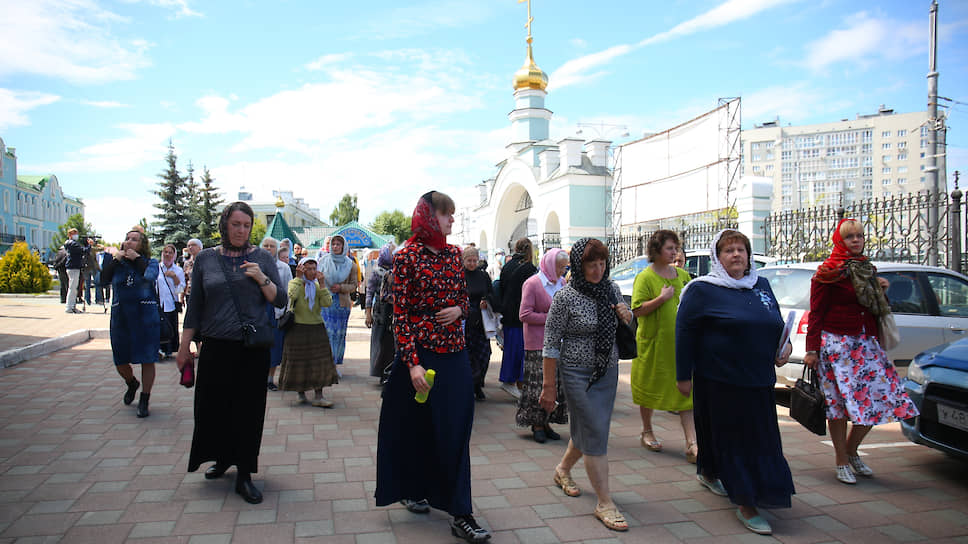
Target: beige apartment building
(878, 155)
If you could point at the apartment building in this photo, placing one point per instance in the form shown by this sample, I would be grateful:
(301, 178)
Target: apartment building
(877, 155)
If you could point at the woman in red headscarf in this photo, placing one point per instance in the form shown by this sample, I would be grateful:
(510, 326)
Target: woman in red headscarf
(857, 377)
(423, 449)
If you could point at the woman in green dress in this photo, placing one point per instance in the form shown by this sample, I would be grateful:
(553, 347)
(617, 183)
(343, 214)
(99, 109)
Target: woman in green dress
(655, 297)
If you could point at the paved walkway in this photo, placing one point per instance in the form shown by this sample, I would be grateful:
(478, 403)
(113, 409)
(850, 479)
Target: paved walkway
(77, 466)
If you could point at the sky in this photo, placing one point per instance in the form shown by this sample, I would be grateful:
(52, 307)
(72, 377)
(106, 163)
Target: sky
(389, 99)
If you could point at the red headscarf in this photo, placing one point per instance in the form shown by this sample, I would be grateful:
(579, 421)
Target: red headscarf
(834, 268)
(424, 224)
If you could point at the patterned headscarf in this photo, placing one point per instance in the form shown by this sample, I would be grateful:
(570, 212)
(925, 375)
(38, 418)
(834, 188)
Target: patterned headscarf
(603, 296)
(424, 224)
(858, 268)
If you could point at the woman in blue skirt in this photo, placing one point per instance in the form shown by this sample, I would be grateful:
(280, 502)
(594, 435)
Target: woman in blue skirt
(135, 321)
(727, 334)
(341, 275)
(423, 449)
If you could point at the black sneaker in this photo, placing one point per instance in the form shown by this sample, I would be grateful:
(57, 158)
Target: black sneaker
(417, 507)
(272, 387)
(465, 527)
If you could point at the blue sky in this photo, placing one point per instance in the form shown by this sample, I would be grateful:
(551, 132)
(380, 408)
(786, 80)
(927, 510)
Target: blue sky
(387, 99)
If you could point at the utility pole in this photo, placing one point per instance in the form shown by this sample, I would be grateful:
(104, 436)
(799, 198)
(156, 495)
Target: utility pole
(931, 170)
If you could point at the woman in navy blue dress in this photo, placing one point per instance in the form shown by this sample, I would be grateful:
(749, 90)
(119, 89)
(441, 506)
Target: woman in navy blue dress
(134, 315)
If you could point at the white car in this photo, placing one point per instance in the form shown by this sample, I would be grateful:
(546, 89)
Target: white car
(697, 264)
(930, 306)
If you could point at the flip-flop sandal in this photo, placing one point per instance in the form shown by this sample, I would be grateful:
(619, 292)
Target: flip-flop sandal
(567, 485)
(613, 519)
(652, 445)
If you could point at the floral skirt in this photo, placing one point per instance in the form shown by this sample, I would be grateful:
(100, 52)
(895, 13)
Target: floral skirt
(860, 382)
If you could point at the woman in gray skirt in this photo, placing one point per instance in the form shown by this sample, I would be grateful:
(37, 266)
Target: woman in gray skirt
(307, 361)
(579, 344)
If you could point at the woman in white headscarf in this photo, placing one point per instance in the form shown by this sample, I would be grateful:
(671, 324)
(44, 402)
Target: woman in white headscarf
(728, 329)
(341, 275)
(307, 362)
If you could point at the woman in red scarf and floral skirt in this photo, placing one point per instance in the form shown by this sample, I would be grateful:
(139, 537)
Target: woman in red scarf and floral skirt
(423, 449)
(843, 345)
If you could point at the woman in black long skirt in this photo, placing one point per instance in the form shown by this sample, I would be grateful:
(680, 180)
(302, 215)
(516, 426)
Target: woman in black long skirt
(230, 284)
(728, 329)
(480, 296)
(423, 450)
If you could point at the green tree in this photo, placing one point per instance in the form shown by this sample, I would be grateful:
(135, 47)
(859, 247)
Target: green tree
(395, 223)
(192, 201)
(173, 220)
(75, 221)
(258, 231)
(345, 211)
(22, 272)
(208, 210)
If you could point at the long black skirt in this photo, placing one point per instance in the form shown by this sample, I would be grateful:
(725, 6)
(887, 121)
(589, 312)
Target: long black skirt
(423, 450)
(230, 405)
(739, 443)
(381, 347)
(478, 351)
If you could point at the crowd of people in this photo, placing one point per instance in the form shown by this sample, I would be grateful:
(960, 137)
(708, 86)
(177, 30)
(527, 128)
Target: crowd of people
(706, 350)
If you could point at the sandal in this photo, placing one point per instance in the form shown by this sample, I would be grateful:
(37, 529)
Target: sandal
(692, 452)
(652, 445)
(567, 485)
(612, 518)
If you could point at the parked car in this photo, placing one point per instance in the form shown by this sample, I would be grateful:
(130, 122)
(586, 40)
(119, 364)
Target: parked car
(697, 264)
(937, 382)
(930, 305)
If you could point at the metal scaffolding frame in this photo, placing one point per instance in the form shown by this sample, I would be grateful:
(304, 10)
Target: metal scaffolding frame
(731, 147)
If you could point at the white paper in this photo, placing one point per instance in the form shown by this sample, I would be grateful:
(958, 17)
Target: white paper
(787, 329)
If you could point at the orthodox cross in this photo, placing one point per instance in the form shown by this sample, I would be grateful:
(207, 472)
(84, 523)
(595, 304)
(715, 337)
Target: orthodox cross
(530, 18)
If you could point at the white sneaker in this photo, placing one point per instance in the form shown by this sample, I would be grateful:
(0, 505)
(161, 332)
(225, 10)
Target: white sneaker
(511, 389)
(320, 402)
(859, 467)
(845, 475)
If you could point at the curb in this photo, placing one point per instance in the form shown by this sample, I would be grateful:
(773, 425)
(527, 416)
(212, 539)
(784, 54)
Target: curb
(16, 356)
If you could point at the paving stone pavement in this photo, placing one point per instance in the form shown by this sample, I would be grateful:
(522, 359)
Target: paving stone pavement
(76, 465)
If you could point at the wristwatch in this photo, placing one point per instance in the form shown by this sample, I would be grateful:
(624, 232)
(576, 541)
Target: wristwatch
(267, 282)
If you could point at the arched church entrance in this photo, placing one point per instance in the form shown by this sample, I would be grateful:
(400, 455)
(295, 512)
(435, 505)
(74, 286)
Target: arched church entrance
(513, 219)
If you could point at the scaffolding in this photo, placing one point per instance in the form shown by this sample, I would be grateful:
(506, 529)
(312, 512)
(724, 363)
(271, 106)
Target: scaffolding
(730, 150)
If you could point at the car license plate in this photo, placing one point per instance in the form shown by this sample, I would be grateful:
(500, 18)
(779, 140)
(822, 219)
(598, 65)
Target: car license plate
(952, 417)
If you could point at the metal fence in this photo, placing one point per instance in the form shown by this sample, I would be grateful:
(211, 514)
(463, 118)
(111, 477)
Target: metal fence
(896, 228)
(627, 246)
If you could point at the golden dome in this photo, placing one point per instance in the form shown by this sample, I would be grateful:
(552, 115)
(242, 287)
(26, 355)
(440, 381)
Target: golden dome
(530, 76)
(280, 203)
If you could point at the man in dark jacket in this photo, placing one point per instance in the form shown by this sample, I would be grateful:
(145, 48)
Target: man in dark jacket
(518, 268)
(77, 252)
(59, 265)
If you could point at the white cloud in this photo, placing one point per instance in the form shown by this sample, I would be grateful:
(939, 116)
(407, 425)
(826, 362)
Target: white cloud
(792, 103)
(403, 86)
(113, 216)
(865, 40)
(14, 106)
(180, 7)
(69, 39)
(327, 60)
(143, 143)
(587, 67)
(104, 103)
(415, 20)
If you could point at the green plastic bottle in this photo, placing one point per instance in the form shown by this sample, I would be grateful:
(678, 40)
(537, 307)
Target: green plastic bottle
(429, 376)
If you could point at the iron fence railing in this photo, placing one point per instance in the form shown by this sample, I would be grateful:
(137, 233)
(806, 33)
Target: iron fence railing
(896, 227)
(629, 245)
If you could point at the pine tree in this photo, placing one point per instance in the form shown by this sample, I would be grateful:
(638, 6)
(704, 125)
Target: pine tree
(172, 225)
(209, 209)
(192, 202)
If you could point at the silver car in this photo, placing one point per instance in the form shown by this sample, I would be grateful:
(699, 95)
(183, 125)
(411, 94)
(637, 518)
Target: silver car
(697, 264)
(930, 305)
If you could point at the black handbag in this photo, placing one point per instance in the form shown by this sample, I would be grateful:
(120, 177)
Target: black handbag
(165, 334)
(808, 403)
(286, 320)
(253, 335)
(625, 338)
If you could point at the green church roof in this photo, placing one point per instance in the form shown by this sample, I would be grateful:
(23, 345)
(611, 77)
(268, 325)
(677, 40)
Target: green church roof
(279, 229)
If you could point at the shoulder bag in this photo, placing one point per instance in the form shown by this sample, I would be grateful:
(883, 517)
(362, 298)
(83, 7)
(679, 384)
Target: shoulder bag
(890, 335)
(625, 337)
(253, 336)
(808, 403)
(285, 321)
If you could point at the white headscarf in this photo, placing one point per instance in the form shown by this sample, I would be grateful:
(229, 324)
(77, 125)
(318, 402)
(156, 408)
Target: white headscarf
(717, 273)
(309, 286)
